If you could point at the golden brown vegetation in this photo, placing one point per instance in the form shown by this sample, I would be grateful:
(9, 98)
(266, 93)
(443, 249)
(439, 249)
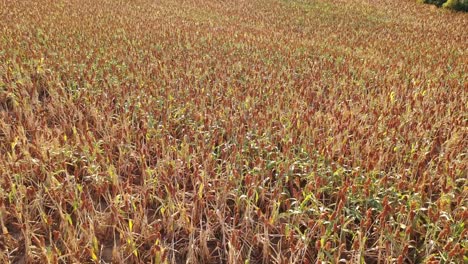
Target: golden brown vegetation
(263, 131)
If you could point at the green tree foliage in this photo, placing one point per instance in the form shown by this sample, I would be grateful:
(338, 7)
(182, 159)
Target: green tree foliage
(438, 3)
(460, 5)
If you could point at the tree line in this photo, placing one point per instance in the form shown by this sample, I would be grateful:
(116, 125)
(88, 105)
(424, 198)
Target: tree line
(459, 5)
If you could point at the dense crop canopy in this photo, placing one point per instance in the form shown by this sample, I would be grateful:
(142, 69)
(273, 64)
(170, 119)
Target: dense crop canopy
(260, 131)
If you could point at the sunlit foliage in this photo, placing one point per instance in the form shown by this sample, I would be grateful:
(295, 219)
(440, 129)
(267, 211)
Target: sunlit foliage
(260, 131)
